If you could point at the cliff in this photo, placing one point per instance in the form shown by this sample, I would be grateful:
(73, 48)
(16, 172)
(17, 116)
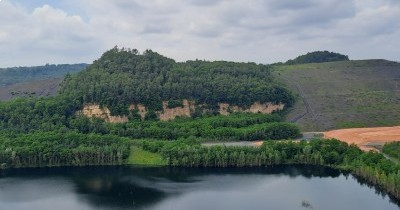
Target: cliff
(187, 109)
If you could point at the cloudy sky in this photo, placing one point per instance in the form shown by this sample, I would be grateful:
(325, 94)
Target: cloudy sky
(36, 32)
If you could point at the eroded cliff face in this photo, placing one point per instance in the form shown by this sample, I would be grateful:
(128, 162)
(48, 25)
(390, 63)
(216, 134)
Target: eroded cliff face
(94, 110)
(257, 107)
(171, 113)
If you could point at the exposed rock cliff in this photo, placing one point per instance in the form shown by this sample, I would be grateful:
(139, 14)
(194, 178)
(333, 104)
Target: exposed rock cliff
(171, 113)
(188, 108)
(265, 108)
(94, 110)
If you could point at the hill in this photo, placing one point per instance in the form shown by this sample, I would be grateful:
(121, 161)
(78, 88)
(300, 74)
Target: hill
(35, 80)
(343, 94)
(13, 75)
(318, 57)
(124, 82)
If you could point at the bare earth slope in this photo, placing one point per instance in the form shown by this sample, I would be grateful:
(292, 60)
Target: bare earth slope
(365, 137)
(35, 88)
(344, 94)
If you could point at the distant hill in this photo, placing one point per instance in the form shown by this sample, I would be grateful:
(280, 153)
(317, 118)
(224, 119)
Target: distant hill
(343, 94)
(35, 80)
(318, 57)
(13, 75)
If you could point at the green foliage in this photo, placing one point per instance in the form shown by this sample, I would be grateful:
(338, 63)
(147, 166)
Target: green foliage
(123, 76)
(238, 126)
(318, 57)
(174, 103)
(32, 114)
(139, 156)
(372, 166)
(9, 76)
(61, 149)
(392, 149)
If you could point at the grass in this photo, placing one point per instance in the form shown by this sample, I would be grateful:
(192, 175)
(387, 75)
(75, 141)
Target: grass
(344, 94)
(139, 156)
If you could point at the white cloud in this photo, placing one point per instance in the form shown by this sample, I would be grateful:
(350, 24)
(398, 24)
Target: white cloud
(253, 30)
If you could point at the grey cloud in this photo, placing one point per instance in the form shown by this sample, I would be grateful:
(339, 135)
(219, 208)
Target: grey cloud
(252, 30)
(290, 4)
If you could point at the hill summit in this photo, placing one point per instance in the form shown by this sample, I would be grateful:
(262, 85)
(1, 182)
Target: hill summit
(318, 57)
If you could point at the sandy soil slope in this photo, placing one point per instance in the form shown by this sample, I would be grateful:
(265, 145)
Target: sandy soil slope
(365, 137)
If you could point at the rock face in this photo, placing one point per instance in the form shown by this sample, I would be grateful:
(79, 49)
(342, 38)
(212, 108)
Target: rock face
(265, 108)
(94, 110)
(171, 113)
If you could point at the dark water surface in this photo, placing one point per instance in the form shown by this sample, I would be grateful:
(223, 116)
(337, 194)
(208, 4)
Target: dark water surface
(117, 188)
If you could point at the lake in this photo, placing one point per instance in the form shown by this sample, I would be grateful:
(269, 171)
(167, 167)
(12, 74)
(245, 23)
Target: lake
(120, 188)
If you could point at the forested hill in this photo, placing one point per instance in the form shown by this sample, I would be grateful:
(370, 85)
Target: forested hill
(13, 75)
(123, 76)
(318, 57)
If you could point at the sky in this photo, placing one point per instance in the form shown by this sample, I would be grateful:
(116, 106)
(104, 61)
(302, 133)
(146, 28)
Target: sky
(36, 32)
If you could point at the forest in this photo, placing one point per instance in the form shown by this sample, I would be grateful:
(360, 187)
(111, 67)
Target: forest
(124, 76)
(318, 57)
(51, 149)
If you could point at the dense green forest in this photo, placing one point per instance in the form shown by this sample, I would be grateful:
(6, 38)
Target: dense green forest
(14, 75)
(235, 127)
(123, 76)
(318, 57)
(60, 149)
(371, 166)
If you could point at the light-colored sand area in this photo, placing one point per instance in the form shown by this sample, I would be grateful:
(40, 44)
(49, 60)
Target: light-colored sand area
(365, 137)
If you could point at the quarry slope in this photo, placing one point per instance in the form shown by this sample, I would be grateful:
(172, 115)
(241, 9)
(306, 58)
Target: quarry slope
(343, 94)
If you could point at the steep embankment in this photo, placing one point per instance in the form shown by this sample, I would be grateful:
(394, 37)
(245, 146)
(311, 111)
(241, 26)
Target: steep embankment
(344, 94)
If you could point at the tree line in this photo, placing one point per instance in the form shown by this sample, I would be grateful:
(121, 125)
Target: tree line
(371, 166)
(60, 149)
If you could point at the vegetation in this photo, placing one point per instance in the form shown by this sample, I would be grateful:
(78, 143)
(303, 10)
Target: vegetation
(372, 166)
(123, 76)
(15, 75)
(60, 149)
(343, 94)
(138, 156)
(238, 126)
(392, 149)
(318, 57)
(38, 132)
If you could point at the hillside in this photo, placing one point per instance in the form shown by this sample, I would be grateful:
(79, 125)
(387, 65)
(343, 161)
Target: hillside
(124, 82)
(13, 75)
(343, 94)
(34, 81)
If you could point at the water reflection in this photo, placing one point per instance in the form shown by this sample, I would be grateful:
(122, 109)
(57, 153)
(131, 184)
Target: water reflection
(279, 187)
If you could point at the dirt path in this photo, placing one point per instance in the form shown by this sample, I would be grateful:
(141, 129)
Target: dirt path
(365, 137)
